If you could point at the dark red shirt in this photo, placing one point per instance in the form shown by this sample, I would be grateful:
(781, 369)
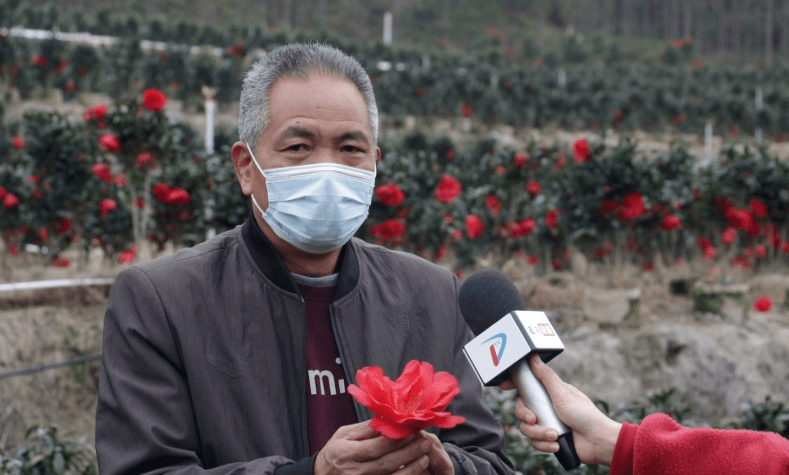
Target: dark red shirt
(329, 406)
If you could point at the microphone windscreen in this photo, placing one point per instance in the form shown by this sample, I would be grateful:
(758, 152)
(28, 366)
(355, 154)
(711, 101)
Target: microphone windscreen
(487, 296)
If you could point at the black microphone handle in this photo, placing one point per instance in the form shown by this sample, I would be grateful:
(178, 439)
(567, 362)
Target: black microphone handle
(534, 394)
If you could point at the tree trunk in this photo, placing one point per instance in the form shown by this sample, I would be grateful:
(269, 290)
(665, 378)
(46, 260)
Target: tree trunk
(688, 19)
(768, 32)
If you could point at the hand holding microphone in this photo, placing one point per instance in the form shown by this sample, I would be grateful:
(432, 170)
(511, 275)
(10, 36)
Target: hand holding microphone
(506, 335)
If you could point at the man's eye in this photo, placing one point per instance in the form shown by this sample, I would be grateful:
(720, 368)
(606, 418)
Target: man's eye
(351, 149)
(296, 148)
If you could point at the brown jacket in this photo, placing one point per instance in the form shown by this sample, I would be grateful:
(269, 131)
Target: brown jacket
(204, 357)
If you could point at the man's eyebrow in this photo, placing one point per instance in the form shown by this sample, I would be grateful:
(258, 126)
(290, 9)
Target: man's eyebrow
(297, 132)
(355, 135)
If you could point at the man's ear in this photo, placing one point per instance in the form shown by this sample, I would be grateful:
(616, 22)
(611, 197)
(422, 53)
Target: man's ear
(242, 163)
(377, 157)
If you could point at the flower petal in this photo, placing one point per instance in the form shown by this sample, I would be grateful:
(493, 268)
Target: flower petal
(388, 429)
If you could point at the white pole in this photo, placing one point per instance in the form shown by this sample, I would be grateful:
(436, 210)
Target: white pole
(210, 107)
(388, 28)
(708, 140)
(759, 106)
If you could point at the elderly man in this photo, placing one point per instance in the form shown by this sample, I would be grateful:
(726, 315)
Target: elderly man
(235, 356)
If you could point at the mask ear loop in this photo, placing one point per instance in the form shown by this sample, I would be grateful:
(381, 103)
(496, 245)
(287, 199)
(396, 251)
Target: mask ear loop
(252, 195)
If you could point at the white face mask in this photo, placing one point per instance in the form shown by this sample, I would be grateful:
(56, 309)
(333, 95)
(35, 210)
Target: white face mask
(317, 207)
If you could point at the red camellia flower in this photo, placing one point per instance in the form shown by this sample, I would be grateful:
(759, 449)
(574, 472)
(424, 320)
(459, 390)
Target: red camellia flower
(18, 142)
(102, 171)
(450, 154)
(39, 60)
(581, 150)
(710, 253)
(763, 304)
(520, 159)
(10, 201)
(390, 229)
(414, 402)
(161, 191)
(110, 142)
(177, 196)
(146, 161)
(106, 206)
(98, 112)
(758, 208)
(533, 188)
(63, 225)
(729, 235)
(552, 219)
(128, 256)
(474, 226)
(556, 264)
(390, 195)
(608, 206)
(60, 262)
(153, 99)
(532, 259)
(760, 250)
(139, 203)
(448, 189)
(493, 205)
(121, 180)
(466, 110)
(632, 207)
(670, 222)
(500, 170)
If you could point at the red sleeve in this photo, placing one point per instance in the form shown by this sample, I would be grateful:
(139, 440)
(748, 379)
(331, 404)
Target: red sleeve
(659, 445)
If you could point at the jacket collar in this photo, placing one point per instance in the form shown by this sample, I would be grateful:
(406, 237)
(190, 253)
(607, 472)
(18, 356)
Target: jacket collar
(273, 267)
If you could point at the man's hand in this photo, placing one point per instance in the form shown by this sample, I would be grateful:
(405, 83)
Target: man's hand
(594, 434)
(440, 463)
(357, 449)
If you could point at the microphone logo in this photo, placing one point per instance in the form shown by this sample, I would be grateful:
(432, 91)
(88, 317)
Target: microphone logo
(497, 347)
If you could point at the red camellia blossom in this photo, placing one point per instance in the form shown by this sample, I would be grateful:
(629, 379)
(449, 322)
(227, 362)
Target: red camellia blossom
(98, 113)
(729, 235)
(632, 207)
(414, 402)
(763, 304)
(760, 250)
(648, 266)
(39, 60)
(34, 179)
(552, 219)
(161, 191)
(63, 225)
(500, 170)
(758, 208)
(388, 230)
(60, 262)
(139, 203)
(450, 154)
(153, 99)
(128, 256)
(110, 142)
(556, 264)
(608, 206)
(146, 161)
(390, 195)
(177, 196)
(581, 150)
(670, 222)
(532, 259)
(102, 171)
(710, 253)
(10, 201)
(533, 188)
(18, 142)
(520, 159)
(466, 110)
(474, 226)
(493, 205)
(121, 180)
(106, 206)
(448, 189)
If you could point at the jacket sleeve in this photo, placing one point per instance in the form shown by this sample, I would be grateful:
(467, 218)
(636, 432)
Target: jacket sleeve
(477, 445)
(144, 419)
(659, 445)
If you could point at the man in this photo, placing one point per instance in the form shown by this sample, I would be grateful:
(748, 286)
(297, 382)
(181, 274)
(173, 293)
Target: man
(235, 356)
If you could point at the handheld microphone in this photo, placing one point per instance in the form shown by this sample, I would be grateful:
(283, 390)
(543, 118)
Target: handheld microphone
(506, 335)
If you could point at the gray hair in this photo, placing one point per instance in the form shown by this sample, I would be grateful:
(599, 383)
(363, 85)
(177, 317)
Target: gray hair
(298, 61)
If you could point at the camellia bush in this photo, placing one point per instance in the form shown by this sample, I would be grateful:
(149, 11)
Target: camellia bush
(126, 175)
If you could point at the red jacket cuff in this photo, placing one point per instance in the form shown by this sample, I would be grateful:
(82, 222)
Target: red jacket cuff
(622, 463)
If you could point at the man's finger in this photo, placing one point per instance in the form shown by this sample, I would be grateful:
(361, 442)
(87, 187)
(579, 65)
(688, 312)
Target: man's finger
(378, 447)
(507, 385)
(551, 447)
(360, 431)
(524, 413)
(552, 382)
(539, 433)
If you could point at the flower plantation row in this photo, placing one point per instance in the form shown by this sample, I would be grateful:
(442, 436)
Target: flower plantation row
(623, 95)
(126, 174)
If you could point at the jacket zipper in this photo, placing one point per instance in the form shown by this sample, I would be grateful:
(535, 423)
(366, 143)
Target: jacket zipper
(345, 368)
(305, 434)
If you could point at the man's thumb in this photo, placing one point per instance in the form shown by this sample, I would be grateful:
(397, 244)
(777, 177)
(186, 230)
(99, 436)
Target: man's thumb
(549, 379)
